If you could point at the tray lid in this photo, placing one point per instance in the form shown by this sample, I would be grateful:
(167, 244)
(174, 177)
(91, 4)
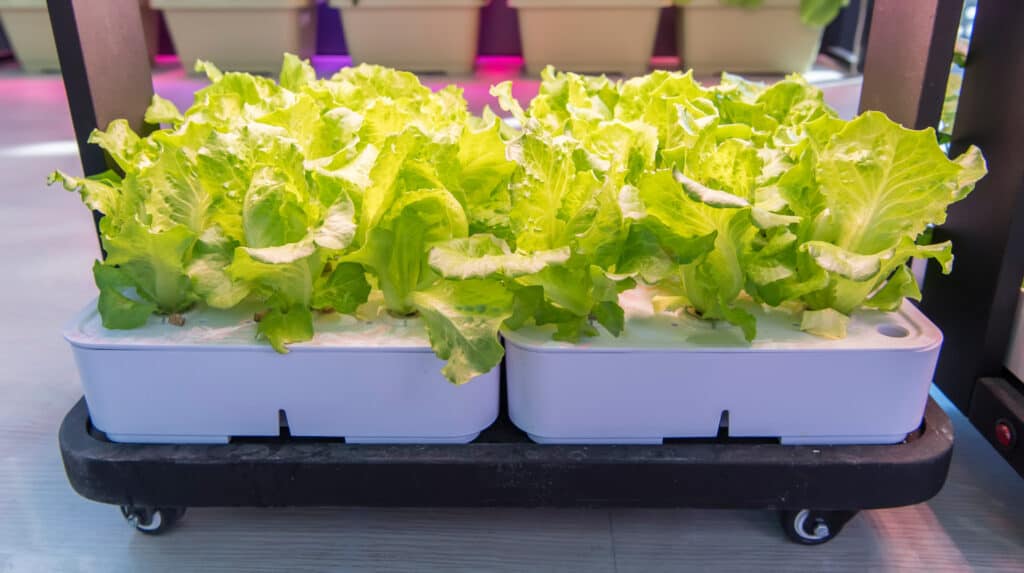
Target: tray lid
(408, 3)
(589, 3)
(230, 4)
(778, 330)
(215, 329)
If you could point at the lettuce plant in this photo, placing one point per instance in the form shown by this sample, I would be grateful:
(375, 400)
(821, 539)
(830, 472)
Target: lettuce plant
(744, 193)
(306, 195)
(564, 198)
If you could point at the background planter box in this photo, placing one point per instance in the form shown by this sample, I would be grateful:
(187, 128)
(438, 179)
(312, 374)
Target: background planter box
(367, 381)
(714, 37)
(675, 377)
(590, 36)
(27, 25)
(240, 35)
(414, 35)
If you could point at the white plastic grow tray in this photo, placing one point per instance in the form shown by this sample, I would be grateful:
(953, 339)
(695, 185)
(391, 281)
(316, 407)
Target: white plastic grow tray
(26, 24)
(1015, 353)
(414, 35)
(367, 381)
(589, 36)
(676, 376)
(715, 37)
(240, 35)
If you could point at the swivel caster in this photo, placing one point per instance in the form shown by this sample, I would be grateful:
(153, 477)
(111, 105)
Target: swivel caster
(810, 527)
(152, 521)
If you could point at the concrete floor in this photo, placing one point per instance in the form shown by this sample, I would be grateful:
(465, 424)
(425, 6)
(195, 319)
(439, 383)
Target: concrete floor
(976, 523)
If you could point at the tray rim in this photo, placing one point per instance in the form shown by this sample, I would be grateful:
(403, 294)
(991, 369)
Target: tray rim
(72, 333)
(930, 336)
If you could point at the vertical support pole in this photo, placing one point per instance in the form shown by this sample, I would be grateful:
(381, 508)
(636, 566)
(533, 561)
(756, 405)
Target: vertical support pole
(975, 305)
(910, 49)
(105, 63)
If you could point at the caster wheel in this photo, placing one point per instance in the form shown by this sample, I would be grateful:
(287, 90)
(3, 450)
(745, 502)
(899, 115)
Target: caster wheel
(810, 527)
(152, 521)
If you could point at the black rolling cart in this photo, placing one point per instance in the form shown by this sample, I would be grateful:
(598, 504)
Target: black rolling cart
(816, 489)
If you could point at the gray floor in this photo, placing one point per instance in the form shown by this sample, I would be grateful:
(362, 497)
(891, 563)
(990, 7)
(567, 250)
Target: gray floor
(48, 244)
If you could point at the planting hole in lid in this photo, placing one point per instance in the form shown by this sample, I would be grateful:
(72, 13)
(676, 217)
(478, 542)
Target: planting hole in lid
(893, 331)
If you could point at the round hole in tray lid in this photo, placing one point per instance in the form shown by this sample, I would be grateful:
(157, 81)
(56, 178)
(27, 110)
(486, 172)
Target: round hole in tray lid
(893, 331)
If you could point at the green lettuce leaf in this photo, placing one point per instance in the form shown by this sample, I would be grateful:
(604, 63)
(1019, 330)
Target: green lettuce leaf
(486, 256)
(883, 185)
(463, 319)
(154, 263)
(396, 251)
(343, 290)
(820, 12)
(281, 326)
(163, 110)
(117, 310)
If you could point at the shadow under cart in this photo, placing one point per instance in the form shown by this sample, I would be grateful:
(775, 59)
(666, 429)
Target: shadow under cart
(815, 489)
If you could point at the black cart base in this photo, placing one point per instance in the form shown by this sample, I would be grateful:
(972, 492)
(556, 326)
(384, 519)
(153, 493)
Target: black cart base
(815, 488)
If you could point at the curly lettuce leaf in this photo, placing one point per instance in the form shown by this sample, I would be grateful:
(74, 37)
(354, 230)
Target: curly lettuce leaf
(487, 256)
(883, 185)
(462, 320)
(154, 263)
(117, 309)
(343, 290)
(396, 251)
(485, 172)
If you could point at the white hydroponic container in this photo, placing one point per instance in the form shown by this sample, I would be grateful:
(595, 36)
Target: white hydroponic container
(715, 37)
(240, 35)
(414, 35)
(27, 25)
(367, 381)
(1015, 353)
(589, 36)
(676, 377)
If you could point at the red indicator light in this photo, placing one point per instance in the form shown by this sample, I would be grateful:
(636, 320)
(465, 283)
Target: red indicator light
(1004, 434)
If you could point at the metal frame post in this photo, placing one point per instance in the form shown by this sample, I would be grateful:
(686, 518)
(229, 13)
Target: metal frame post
(106, 68)
(910, 49)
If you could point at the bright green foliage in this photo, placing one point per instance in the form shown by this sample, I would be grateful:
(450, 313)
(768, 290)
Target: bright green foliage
(722, 194)
(573, 160)
(463, 318)
(116, 309)
(300, 195)
(308, 194)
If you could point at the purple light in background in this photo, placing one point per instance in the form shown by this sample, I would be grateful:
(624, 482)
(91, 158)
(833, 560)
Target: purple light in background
(499, 66)
(33, 89)
(166, 60)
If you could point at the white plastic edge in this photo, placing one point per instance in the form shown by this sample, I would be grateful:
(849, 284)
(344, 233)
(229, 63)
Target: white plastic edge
(930, 337)
(72, 333)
